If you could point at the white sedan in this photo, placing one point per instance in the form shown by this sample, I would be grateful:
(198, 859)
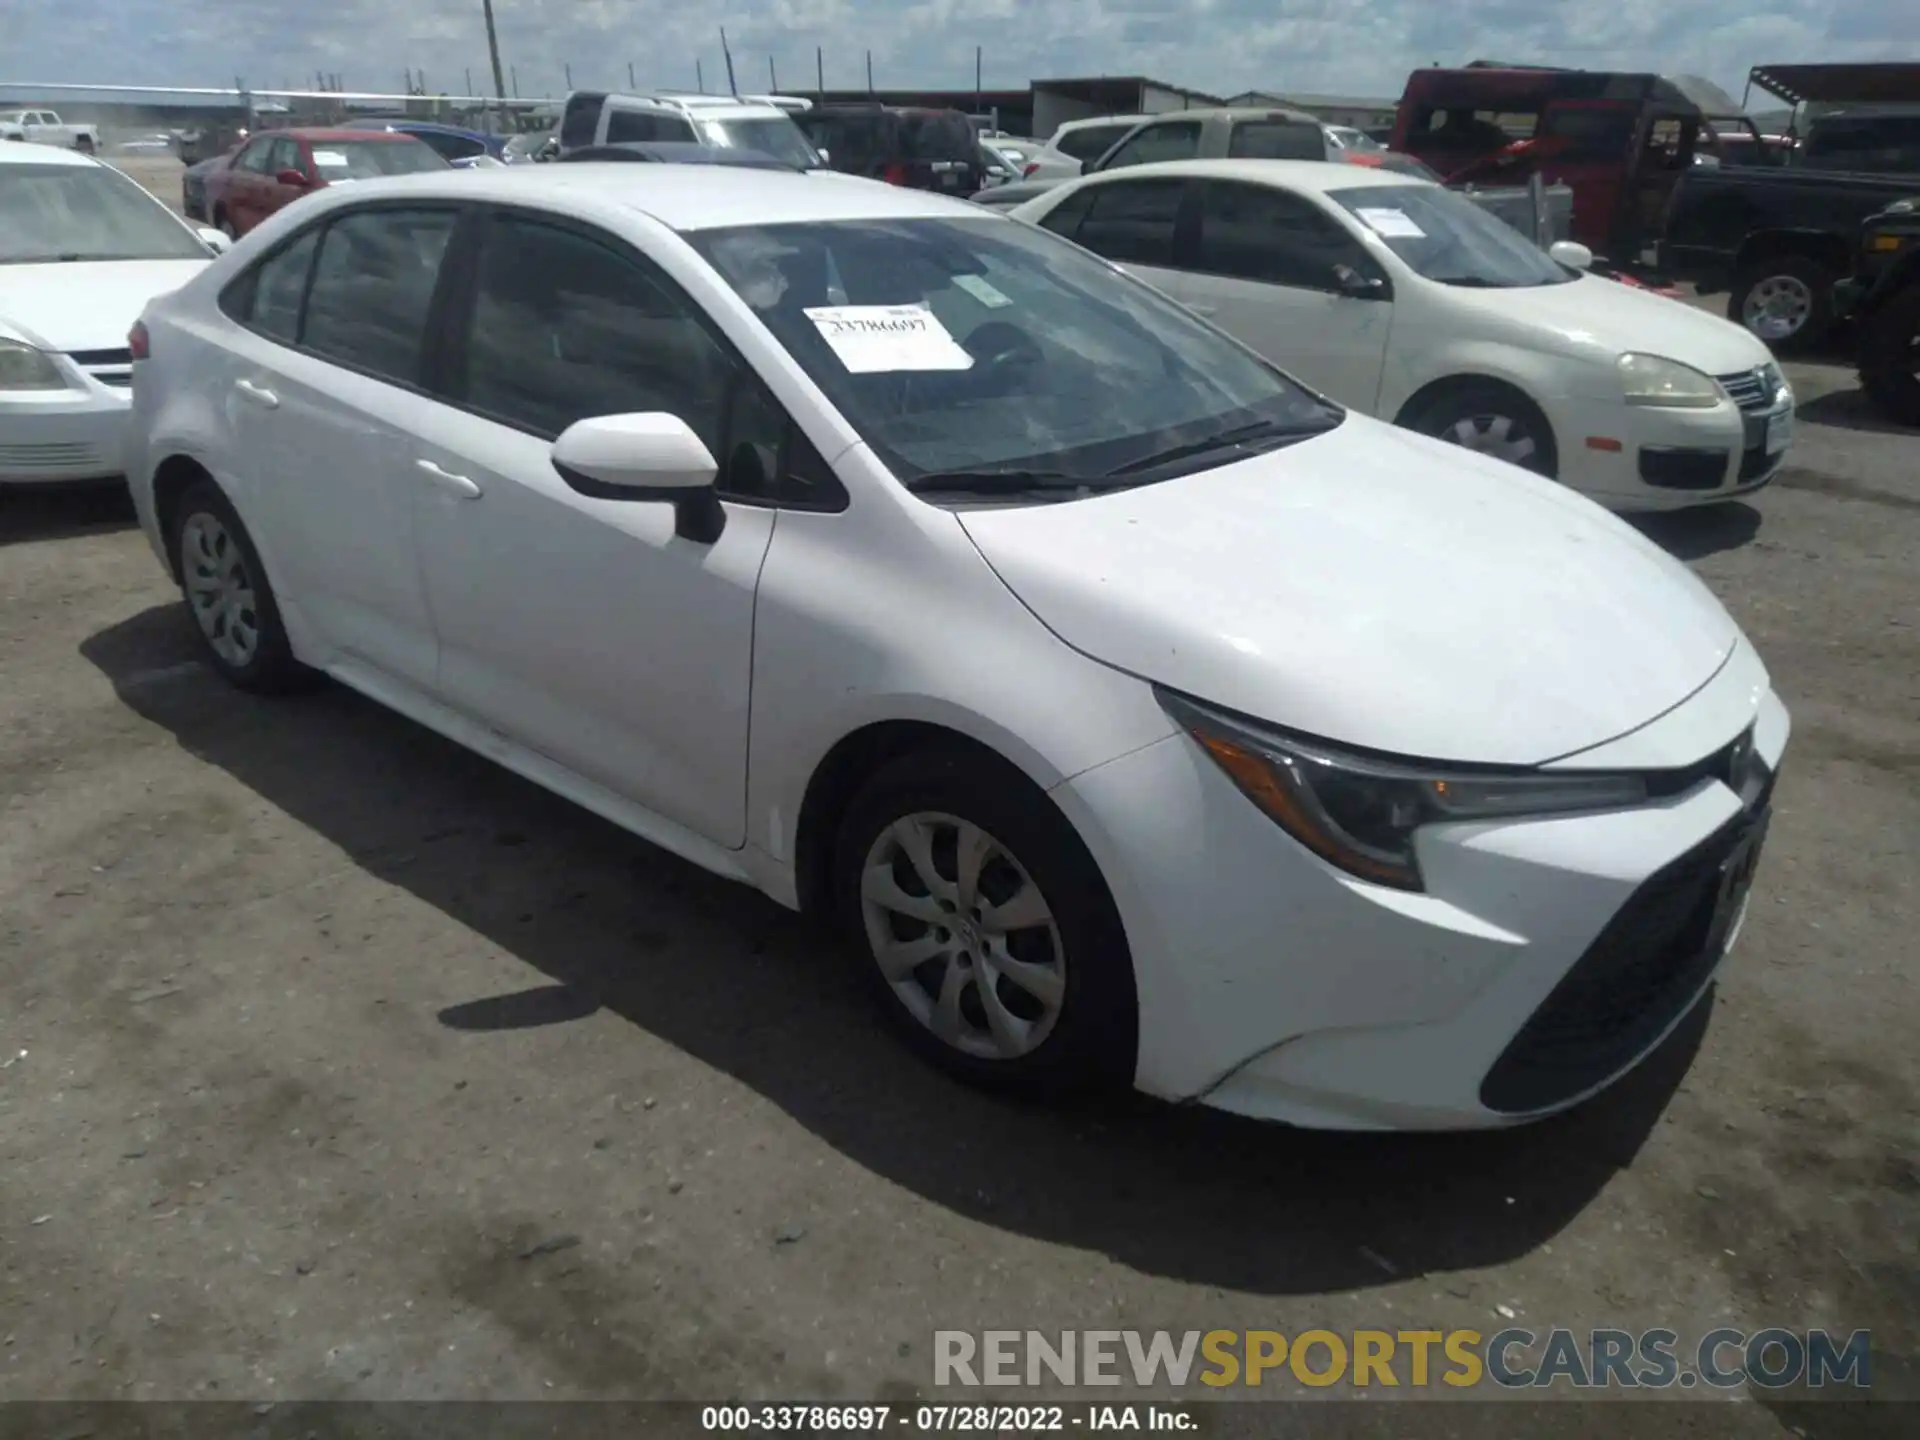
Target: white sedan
(82, 249)
(1140, 715)
(1406, 301)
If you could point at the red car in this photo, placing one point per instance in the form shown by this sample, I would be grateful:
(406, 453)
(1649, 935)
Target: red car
(277, 167)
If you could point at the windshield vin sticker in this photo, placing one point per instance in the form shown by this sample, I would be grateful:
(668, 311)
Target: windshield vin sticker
(876, 339)
(1391, 223)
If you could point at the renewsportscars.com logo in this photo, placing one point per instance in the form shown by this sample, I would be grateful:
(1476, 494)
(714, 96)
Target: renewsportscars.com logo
(1513, 1358)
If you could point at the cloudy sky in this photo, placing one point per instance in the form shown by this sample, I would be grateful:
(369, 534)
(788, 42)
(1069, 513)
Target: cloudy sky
(1325, 46)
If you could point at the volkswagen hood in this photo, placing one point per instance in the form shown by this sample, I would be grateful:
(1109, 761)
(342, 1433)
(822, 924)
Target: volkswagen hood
(1376, 588)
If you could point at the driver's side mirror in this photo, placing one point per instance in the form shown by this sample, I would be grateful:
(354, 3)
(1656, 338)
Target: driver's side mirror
(653, 456)
(1360, 287)
(217, 241)
(824, 154)
(291, 177)
(1570, 253)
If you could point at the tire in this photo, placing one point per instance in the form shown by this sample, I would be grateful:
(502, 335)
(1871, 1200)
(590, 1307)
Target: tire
(1070, 1023)
(1490, 419)
(1890, 357)
(229, 598)
(1785, 301)
(84, 145)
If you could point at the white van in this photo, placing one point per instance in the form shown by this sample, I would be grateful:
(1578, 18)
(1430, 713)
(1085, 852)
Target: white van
(727, 122)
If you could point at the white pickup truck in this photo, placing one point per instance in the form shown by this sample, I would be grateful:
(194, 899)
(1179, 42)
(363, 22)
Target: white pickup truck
(43, 127)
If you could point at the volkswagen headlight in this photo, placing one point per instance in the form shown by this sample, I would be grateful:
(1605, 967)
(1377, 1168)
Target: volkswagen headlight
(1655, 380)
(1360, 812)
(23, 367)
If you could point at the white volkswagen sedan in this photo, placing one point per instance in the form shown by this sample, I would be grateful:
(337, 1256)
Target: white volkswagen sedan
(1404, 300)
(82, 249)
(1141, 715)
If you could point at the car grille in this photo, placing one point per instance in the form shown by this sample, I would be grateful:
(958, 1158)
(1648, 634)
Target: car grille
(1646, 968)
(1754, 389)
(109, 367)
(57, 455)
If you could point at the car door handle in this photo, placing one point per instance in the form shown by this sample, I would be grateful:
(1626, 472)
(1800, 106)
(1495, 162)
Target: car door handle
(448, 481)
(258, 394)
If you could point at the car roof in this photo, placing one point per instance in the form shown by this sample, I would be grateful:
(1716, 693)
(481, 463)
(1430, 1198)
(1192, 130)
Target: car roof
(16, 153)
(681, 197)
(1318, 176)
(333, 134)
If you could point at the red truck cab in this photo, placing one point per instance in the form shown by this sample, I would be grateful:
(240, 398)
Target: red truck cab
(1620, 142)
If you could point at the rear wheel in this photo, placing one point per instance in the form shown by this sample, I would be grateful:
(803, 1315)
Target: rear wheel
(84, 144)
(1890, 357)
(983, 926)
(227, 591)
(1787, 301)
(1491, 419)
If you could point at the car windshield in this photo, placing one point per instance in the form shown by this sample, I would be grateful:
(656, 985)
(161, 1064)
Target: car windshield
(85, 212)
(773, 135)
(964, 345)
(1448, 238)
(370, 159)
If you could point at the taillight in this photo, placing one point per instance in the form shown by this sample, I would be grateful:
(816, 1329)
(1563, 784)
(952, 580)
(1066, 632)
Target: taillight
(137, 340)
(1026, 171)
(894, 174)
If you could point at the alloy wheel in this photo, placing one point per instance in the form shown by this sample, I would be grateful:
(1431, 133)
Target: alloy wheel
(219, 589)
(963, 936)
(1777, 307)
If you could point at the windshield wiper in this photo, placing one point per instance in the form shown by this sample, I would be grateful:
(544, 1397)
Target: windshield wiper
(1001, 482)
(1222, 440)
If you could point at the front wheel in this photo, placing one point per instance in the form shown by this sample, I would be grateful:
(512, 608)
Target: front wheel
(1786, 301)
(984, 928)
(1491, 420)
(1890, 357)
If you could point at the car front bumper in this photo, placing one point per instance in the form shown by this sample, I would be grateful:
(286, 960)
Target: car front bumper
(1544, 960)
(1636, 458)
(59, 435)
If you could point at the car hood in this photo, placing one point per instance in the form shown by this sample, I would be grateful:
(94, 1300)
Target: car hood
(86, 304)
(1607, 317)
(1377, 588)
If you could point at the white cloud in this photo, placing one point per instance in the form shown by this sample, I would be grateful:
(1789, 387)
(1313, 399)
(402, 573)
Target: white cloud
(1364, 46)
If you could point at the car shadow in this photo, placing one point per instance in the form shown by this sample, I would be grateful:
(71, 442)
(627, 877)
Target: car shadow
(1698, 533)
(1849, 410)
(59, 512)
(605, 921)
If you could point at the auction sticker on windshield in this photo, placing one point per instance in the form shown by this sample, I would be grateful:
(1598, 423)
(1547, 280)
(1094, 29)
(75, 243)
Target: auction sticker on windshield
(1394, 224)
(329, 157)
(877, 339)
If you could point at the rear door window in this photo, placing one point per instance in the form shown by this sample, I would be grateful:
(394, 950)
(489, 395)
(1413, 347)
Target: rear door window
(1090, 142)
(372, 287)
(581, 119)
(1276, 140)
(646, 126)
(1255, 232)
(1134, 221)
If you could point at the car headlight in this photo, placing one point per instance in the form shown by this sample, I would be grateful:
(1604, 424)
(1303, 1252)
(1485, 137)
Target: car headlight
(23, 367)
(1360, 812)
(1655, 380)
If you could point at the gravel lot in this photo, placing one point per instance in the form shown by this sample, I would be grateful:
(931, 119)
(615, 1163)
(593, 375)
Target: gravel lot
(339, 1063)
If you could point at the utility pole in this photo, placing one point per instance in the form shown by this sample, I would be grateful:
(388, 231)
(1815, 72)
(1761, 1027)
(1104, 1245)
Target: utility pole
(820, 75)
(869, 72)
(733, 86)
(493, 54)
(516, 81)
(569, 71)
(469, 74)
(631, 83)
(699, 76)
(773, 81)
(977, 102)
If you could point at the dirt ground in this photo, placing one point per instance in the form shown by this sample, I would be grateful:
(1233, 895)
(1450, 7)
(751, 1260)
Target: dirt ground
(341, 1064)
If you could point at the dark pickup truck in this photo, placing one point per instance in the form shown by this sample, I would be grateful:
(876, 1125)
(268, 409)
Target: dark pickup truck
(1777, 238)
